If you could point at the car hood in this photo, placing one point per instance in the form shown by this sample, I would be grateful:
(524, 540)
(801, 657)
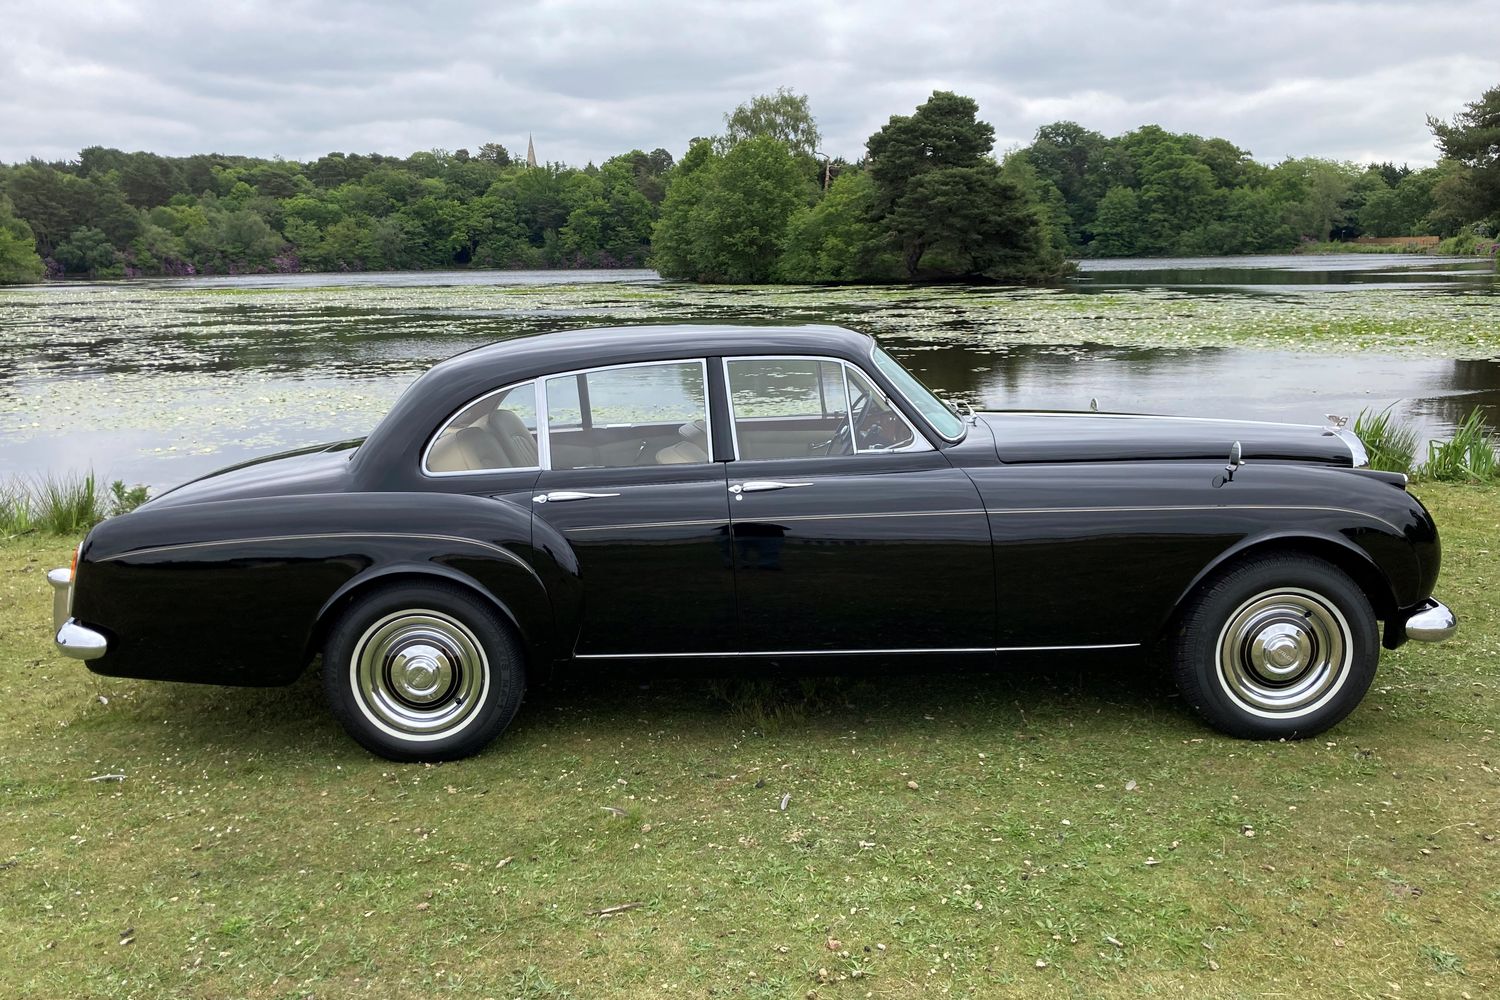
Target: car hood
(1043, 436)
(322, 468)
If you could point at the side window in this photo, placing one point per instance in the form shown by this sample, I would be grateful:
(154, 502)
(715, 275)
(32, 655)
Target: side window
(788, 407)
(654, 414)
(878, 425)
(495, 432)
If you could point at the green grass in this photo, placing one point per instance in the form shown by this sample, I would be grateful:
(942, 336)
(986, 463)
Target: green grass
(251, 850)
(1391, 444)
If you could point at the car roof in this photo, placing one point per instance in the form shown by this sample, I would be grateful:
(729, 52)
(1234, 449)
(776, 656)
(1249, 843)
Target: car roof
(394, 442)
(541, 354)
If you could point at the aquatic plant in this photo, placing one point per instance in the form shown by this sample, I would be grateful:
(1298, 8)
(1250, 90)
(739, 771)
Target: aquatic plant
(62, 504)
(1391, 444)
(1470, 457)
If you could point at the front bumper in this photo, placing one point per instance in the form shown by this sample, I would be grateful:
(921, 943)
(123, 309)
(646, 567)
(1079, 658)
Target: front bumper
(71, 638)
(1430, 622)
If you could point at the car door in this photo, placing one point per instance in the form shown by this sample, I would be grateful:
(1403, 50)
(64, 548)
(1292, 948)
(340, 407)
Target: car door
(629, 490)
(851, 532)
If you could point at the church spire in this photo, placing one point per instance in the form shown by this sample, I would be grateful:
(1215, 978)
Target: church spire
(530, 151)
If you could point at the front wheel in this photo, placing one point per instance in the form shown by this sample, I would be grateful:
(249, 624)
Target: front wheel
(1278, 647)
(423, 672)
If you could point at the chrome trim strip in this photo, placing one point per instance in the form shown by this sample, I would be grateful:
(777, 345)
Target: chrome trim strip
(1185, 507)
(850, 652)
(1145, 416)
(221, 543)
(794, 517)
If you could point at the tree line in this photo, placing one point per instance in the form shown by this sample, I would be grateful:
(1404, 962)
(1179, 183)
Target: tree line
(927, 200)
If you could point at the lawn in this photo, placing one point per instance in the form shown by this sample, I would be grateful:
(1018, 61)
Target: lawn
(1013, 832)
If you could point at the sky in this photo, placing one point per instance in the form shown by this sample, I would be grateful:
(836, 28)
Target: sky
(1349, 80)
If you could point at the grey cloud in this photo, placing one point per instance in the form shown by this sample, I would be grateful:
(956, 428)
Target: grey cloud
(590, 79)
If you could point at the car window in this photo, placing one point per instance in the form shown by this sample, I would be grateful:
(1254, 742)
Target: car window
(948, 423)
(652, 414)
(788, 407)
(878, 425)
(494, 433)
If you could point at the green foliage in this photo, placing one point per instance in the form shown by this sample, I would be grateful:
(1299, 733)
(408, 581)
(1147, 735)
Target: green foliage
(1470, 457)
(1391, 445)
(1472, 140)
(783, 116)
(725, 214)
(838, 239)
(19, 262)
(62, 505)
(124, 499)
(88, 251)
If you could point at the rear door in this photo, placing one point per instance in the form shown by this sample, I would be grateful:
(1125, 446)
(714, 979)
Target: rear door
(629, 489)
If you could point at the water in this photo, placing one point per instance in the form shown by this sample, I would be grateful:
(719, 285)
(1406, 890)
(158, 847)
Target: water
(158, 381)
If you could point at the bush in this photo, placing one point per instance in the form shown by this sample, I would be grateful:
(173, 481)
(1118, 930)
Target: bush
(1392, 445)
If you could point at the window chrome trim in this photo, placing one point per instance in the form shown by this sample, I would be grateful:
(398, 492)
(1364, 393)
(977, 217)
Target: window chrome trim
(875, 346)
(448, 422)
(544, 446)
(919, 443)
(543, 442)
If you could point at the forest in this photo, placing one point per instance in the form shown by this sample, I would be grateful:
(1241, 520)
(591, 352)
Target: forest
(929, 200)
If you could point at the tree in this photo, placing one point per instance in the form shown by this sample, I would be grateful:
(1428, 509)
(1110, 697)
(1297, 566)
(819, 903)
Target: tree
(944, 132)
(725, 215)
(88, 251)
(838, 239)
(783, 116)
(19, 263)
(1472, 139)
(1118, 227)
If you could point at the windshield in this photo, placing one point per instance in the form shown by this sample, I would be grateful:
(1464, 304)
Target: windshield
(938, 413)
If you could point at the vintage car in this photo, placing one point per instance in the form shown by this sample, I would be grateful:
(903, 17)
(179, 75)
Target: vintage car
(713, 493)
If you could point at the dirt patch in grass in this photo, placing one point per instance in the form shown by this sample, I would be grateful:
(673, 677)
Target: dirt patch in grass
(990, 833)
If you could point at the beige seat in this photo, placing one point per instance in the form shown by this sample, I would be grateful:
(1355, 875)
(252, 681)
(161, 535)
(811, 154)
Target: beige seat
(466, 450)
(519, 444)
(691, 450)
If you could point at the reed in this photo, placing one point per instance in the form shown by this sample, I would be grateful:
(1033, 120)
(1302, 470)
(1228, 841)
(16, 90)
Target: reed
(1391, 444)
(62, 504)
(1469, 457)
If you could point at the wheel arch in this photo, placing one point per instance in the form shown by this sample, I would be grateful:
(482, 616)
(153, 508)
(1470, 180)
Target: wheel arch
(1336, 550)
(533, 629)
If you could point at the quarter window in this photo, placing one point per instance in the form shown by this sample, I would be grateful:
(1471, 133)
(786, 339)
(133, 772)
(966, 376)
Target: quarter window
(655, 414)
(494, 433)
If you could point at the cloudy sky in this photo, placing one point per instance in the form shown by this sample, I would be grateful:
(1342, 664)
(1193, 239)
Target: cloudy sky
(1350, 80)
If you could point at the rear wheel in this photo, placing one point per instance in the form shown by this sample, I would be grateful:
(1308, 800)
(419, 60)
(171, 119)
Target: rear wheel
(423, 672)
(1277, 647)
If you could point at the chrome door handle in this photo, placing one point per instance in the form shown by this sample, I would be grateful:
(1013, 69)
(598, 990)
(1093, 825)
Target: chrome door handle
(762, 486)
(562, 496)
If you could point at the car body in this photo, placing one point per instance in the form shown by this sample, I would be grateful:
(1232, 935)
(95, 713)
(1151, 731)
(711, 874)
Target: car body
(750, 493)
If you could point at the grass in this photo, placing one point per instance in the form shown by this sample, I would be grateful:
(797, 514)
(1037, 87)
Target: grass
(1070, 831)
(1391, 445)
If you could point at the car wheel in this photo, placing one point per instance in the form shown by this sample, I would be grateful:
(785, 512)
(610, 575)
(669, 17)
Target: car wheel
(1277, 647)
(423, 672)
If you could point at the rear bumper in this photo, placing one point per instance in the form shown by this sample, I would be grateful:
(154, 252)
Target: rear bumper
(1430, 621)
(72, 638)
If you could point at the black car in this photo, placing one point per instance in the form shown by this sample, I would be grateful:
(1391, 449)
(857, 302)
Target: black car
(751, 493)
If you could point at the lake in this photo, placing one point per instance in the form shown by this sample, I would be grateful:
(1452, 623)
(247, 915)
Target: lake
(157, 381)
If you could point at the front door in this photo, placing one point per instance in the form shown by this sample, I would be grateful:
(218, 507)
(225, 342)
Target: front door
(629, 492)
(851, 533)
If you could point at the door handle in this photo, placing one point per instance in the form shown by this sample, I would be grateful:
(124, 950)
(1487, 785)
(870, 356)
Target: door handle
(562, 496)
(761, 486)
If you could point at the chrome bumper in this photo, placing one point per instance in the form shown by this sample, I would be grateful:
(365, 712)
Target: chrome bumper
(1432, 623)
(72, 639)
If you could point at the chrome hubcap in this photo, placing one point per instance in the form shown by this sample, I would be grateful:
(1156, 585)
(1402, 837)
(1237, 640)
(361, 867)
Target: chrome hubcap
(1284, 653)
(419, 674)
